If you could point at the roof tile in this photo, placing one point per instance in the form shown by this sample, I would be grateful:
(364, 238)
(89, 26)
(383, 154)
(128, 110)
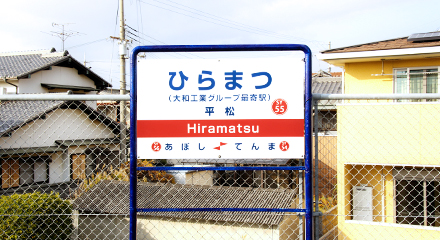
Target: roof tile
(398, 43)
(16, 66)
(112, 197)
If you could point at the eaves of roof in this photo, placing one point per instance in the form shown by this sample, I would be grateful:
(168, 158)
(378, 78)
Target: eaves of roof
(79, 142)
(30, 151)
(22, 65)
(100, 83)
(34, 70)
(392, 49)
(360, 47)
(339, 59)
(69, 87)
(15, 114)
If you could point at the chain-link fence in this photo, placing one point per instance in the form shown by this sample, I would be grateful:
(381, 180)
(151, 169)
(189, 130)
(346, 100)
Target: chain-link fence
(64, 175)
(378, 166)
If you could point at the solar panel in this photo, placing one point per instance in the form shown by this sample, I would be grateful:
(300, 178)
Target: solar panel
(423, 37)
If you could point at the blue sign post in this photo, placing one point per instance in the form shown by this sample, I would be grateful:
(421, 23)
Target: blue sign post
(307, 135)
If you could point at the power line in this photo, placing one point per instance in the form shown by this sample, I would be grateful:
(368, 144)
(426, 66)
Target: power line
(146, 40)
(88, 43)
(210, 18)
(217, 18)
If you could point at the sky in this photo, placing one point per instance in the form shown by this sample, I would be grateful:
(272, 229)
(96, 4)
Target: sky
(32, 25)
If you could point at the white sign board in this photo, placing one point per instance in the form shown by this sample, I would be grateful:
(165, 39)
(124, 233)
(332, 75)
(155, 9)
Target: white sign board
(227, 109)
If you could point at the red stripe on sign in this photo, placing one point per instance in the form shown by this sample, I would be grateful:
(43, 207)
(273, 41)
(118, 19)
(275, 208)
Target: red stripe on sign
(220, 128)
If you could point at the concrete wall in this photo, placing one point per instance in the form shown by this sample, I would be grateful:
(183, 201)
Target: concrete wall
(116, 227)
(290, 227)
(200, 178)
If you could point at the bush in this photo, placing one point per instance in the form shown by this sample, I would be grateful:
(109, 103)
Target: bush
(123, 174)
(35, 216)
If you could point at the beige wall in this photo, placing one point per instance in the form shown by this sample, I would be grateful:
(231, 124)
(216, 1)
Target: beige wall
(372, 139)
(394, 133)
(359, 80)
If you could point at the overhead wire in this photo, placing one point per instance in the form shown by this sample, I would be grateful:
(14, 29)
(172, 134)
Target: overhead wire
(218, 18)
(146, 40)
(88, 43)
(113, 46)
(141, 33)
(137, 19)
(228, 23)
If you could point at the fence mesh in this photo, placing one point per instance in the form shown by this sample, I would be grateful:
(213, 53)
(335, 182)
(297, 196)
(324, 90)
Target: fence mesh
(64, 175)
(379, 168)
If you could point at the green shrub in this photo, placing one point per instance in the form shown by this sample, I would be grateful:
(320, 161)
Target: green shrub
(35, 216)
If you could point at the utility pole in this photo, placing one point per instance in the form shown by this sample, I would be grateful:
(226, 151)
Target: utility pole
(122, 55)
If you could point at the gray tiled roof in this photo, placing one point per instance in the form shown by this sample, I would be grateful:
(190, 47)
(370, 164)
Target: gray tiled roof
(112, 197)
(22, 64)
(14, 114)
(17, 66)
(113, 91)
(327, 85)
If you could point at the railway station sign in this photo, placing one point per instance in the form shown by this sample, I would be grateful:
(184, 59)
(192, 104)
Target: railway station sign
(220, 109)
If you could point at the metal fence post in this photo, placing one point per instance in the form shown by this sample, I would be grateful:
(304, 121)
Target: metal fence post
(133, 145)
(308, 188)
(316, 129)
(308, 141)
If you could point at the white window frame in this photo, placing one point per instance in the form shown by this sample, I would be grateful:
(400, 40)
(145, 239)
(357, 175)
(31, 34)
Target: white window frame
(417, 175)
(408, 69)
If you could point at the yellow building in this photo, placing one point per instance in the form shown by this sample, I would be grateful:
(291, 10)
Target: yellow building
(389, 150)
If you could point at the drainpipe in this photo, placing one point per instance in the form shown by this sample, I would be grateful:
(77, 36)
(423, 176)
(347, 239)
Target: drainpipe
(16, 87)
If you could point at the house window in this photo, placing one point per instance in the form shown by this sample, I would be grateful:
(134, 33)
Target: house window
(416, 80)
(93, 161)
(327, 120)
(78, 166)
(24, 171)
(10, 173)
(417, 197)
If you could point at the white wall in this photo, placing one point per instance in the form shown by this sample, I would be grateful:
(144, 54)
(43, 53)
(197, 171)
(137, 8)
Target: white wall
(7, 90)
(193, 177)
(58, 75)
(61, 124)
(59, 168)
(67, 124)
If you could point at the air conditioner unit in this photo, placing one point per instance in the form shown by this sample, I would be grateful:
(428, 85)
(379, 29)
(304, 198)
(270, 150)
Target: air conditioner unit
(363, 203)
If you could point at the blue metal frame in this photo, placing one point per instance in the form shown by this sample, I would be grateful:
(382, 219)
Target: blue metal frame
(222, 48)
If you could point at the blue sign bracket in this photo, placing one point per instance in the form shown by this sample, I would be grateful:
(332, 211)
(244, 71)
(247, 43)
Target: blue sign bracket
(307, 168)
